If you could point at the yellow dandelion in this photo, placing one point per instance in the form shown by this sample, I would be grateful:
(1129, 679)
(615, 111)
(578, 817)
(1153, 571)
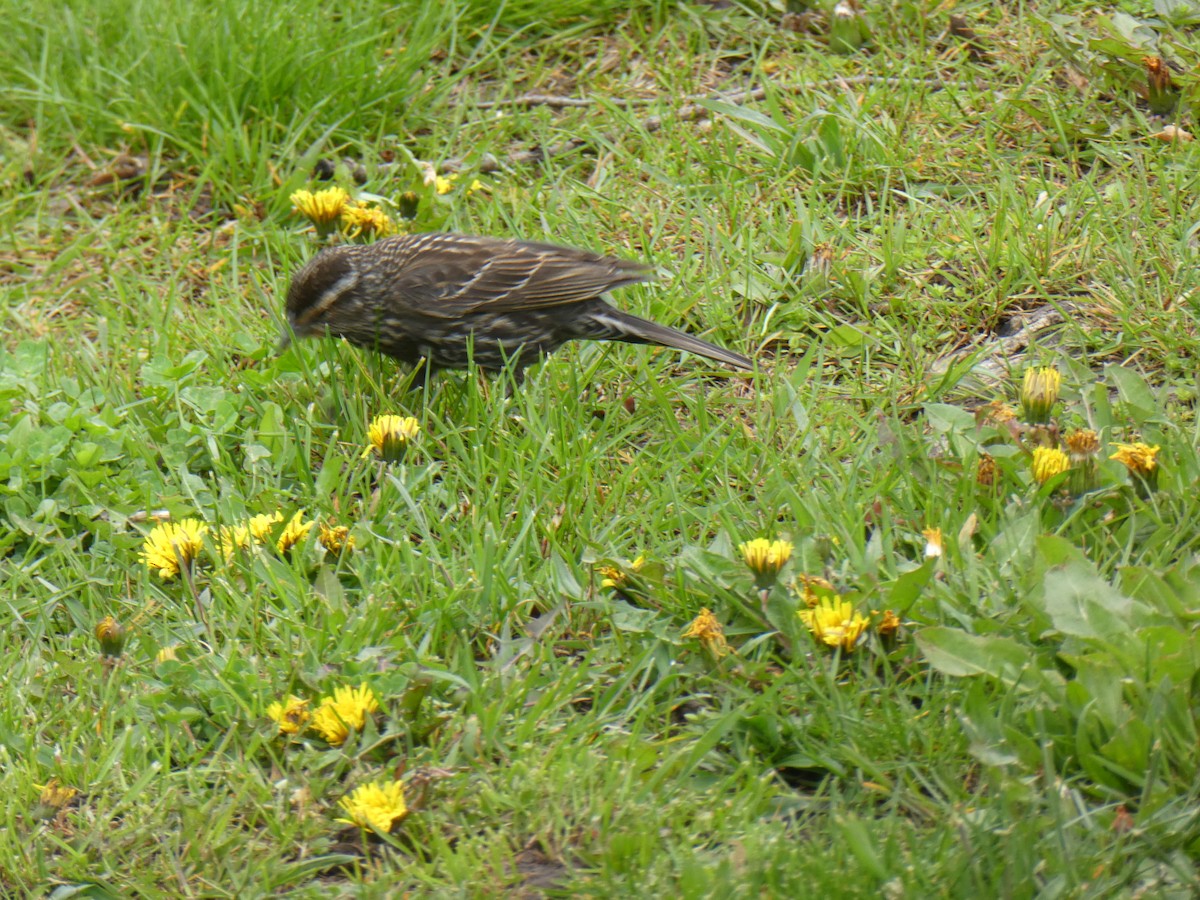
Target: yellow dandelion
(1039, 393)
(1140, 459)
(390, 436)
(708, 631)
(169, 653)
(347, 708)
(1142, 462)
(336, 539)
(171, 546)
(1049, 462)
(361, 219)
(53, 795)
(765, 558)
(290, 714)
(322, 208)
(617, 578)
(933, 542)
(445, 185)
(835, 623)
(262, 526)
(231, 539)
(377, 806)
(294, 532)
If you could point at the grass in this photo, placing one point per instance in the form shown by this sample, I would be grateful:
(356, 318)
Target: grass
(1029, 731)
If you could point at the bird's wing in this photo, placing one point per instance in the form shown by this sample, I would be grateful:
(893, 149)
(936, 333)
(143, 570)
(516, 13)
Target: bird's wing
(454, 275)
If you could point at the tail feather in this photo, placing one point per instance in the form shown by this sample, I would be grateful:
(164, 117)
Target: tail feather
(623, 326)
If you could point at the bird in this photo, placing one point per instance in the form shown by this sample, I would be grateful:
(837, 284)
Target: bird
(449, 299)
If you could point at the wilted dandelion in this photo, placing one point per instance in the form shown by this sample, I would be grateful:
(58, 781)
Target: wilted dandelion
(53, 798)
(835, 623)
(1049, 462)
(390, 436)
(1083, 445)
(290, 714)
(294, 532)
(171, 546)
(336, 539)
(708, 631)
(985, 471)
(377, 806)
(347, 708)
(888, 624)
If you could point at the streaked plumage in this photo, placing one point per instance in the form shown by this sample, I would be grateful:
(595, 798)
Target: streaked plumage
(447, 298)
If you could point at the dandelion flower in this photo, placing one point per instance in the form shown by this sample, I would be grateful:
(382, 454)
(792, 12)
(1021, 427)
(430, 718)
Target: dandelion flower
(347, 708)
(1142, 462)
(361, 219)
(765, 558)
(1039, 393)
(617, 578)
(322, 208)
(708, 631)
(55, 794)
(835, 623)
(377, 806)
(1140, 459)
(171, 546)
(294, 532)
(1049, 462)
(444, 185)
(169, 653)
(336, 539)
(53, 798)
(290, 714)
(231, 539)
(263, 525)
(390, 436)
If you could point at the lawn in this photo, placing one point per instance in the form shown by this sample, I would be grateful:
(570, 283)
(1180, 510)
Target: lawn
(530, 647)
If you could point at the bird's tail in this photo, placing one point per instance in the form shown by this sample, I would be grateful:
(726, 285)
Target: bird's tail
(622, 326)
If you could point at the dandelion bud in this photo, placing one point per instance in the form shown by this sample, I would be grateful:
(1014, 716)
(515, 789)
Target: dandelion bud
(1039, 393)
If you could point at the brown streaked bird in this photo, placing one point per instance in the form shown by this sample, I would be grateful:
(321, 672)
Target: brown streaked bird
(447, 298)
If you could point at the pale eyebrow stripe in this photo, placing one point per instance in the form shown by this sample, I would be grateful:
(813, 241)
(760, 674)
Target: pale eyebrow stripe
(330, 297)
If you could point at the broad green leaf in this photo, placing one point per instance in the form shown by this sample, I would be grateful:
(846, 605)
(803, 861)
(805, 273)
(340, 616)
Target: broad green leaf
(957, 653)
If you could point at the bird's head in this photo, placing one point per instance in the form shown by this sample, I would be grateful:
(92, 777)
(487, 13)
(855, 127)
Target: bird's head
(319, 292)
